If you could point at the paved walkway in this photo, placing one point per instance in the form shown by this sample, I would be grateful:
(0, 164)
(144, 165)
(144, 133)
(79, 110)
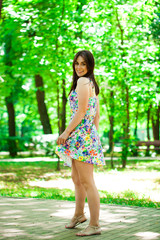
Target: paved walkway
(35, 219)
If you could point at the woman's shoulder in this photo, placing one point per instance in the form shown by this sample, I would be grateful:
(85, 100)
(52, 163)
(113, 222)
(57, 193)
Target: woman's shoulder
(83, 80)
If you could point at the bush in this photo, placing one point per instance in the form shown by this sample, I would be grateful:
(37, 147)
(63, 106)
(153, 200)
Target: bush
(46, 142)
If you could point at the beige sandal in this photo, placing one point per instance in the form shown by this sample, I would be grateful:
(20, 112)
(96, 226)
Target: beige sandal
(76, 221)
(88, 231)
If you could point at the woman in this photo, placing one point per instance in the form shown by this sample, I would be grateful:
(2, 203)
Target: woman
(79, 145)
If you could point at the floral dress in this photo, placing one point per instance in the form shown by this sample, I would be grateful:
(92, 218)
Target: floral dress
(83, 143)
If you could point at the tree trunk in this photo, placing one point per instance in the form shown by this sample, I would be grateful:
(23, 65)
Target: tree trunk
(148, 120)
(148, 135)
(110, 109)
(58, 109)
(135, 152)
(111, 131)
(11, 127)
(58, 116)
(136, 120)
(126, 125)
(155, 126)
(1, 8)
(9, 100)
(126, 131)
(127, 111)
(111, 120)
(64, 101)
(42, 109)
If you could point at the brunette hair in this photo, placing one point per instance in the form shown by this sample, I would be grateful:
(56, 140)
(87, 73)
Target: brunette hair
(89, 60)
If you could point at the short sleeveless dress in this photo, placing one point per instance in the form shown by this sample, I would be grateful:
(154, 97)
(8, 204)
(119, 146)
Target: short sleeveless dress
(83, 143)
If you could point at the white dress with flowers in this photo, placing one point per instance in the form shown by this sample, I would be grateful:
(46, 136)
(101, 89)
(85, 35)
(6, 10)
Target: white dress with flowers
(83, 143)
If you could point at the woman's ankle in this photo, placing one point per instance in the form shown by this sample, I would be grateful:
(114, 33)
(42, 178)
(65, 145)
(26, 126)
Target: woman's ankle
(78, 214)
(94, 224)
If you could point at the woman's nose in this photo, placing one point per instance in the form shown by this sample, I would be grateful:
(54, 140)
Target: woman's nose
(79, 66)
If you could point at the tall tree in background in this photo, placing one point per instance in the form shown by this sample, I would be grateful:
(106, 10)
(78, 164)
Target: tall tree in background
(9, 99)
(155, 31)
(42, 109)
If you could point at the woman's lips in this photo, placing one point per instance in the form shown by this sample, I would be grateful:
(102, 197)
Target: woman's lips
(79, 72)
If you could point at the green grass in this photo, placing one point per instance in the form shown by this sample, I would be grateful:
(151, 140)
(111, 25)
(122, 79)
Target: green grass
(14, 177)
(137, 165)
(130, 199)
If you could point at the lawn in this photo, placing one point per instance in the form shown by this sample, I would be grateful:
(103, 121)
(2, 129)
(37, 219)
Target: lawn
(137, 185)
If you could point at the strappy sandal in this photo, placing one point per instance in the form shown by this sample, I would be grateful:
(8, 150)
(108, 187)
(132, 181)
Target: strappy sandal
(89, 230)
(76, 221)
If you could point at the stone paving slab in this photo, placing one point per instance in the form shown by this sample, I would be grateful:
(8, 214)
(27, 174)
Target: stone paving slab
(36, 219)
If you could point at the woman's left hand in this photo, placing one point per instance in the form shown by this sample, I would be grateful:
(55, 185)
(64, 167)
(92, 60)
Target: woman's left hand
(62, 138)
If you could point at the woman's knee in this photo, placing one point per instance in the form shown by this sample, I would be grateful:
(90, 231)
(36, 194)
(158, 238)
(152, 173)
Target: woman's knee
(86, 182)
(75, 179)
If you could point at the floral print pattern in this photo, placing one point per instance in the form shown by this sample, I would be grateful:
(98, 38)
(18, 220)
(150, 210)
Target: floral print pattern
(83, 143)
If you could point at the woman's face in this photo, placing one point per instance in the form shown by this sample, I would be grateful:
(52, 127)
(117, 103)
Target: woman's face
(80, 67)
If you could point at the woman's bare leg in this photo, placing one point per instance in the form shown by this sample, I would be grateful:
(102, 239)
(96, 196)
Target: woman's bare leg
(85, 172)
(80, 193)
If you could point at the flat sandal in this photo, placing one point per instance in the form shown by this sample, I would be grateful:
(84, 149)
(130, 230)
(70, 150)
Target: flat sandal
(76, 221)
(89, 231)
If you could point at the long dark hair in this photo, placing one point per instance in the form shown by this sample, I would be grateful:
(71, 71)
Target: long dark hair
(89, 59)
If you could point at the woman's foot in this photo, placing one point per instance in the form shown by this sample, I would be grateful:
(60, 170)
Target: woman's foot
(76, 221)
(90, 230)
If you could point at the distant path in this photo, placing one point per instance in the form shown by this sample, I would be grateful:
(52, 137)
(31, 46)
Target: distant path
(35, 219)
(50, 159)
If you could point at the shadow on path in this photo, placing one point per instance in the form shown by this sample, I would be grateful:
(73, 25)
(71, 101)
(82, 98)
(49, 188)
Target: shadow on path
(27, 219)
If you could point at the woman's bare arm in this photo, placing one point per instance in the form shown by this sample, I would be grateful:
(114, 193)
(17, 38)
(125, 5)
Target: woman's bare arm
(83, 97)
(96, 118)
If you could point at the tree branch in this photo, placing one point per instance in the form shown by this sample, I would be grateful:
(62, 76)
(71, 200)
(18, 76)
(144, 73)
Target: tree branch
(120, 27)
(60, 24)
(1, 8)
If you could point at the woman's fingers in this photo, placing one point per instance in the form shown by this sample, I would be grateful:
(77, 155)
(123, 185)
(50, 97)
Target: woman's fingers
(60, 141)
(62, 138)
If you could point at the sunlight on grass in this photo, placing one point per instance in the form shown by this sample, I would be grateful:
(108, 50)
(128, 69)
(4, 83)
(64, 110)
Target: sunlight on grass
(116, 186)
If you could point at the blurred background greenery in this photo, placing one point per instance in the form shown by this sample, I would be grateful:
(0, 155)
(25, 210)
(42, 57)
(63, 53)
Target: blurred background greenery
(38, 40)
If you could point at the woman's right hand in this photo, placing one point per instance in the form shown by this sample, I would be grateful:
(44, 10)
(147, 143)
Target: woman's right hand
(63, 137)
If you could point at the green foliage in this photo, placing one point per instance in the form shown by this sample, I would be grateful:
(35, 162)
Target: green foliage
(41, 37)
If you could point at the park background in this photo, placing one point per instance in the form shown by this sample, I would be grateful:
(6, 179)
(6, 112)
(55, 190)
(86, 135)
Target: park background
(38, 40)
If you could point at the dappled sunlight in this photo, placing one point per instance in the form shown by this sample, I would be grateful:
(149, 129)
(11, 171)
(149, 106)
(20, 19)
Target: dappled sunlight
(35, 179)
(13, 232)
(11, 216)
(148, 235)
(12, 212)
(118, 217)
(63, 212)
(143, 184)
(11, 224)
(59, 183)
(45, 219)
(126, 212)
(41, 209)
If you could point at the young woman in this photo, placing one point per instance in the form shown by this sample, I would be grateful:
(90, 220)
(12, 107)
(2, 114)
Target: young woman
(79, 145)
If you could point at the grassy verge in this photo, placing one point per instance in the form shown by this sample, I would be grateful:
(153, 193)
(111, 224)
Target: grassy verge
(14, 178)
(125, 198)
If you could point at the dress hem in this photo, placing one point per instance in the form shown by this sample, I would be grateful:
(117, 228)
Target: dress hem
(68, 160)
